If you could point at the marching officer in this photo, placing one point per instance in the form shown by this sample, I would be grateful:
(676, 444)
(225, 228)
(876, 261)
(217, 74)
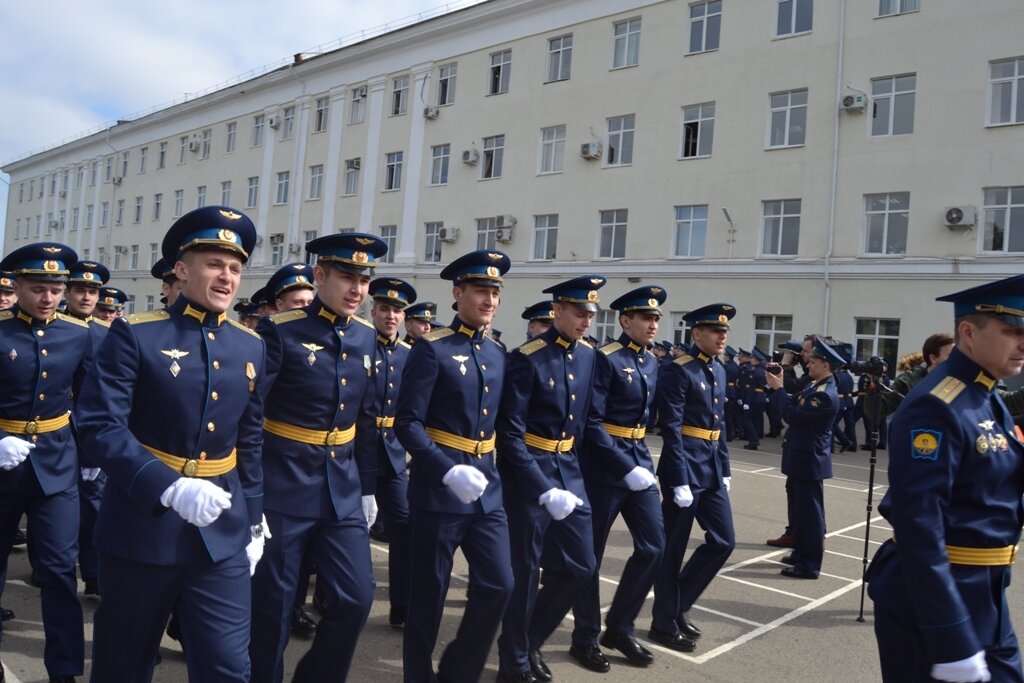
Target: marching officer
(543, 414)
(956, 477)
(807, 455)
(451, 388)
(619, 476)
(418, 320)
(539, 317)
(8, 297)
(754, 400)
(170, 285)
(110, 304)
(266, 305)
(248, 313)
(695, 476)
(171, 411)
(291, 287)
(733, 411)
(46, 355)
(317, 493)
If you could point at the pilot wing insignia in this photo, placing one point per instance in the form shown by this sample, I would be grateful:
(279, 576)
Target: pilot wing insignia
(629, 374)
(174, 355)
(312, 348)
(461, 360)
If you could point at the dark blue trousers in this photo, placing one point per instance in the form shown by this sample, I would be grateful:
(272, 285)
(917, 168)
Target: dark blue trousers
(212, 604)
(90, 493)
(753, 424)
(808, 523)
(676, 590)
(435, 536)
(393, 505)
(641, 511)
(341, 551)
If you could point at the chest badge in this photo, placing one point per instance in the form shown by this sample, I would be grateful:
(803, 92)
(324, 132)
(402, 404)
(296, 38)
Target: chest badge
(629, 374)
(981, 444)
(12, 355)
(703, 387)
(461, 360)
(987, 425)
(174, 355)
(551, 383)
(250, 372)
(312, 348)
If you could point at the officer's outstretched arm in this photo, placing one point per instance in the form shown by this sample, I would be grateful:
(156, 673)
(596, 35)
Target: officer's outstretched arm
(598, 444)
(672, 388)
(511, 429)
(418, 379)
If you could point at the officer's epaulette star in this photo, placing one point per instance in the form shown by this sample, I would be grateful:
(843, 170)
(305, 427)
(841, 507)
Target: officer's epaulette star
(235, 323)
(6, 315)
(532, 346)
(363, 321)
(72, 319)
(948, 389)
(683, 359)
(101, 323)
(406, 345)
(439, 333)
(288, 316)
(148, 317)
(609, 349)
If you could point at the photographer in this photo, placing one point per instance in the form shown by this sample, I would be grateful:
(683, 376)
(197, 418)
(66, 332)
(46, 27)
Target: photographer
(935, 349)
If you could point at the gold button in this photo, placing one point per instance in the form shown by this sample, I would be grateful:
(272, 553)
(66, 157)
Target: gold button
(487, 390)
(569, 355)
(391, 385)
(44, 352)
(483, 367)
(341, 333)
(563, 435)
(485, 411)
(34, 438)
(476, 346)
(42, 397)
(716, 417)
(482, 434)
(390, 352)
(572, 396)
(214, 395)
(210, 426)
(571, 417)
(44, 374)
(341, 406)
(570, 376)
(389, 401)
(202, 455)
(344, 381)
(332, 454)
(210, 336)
(40, 333)
(216, 365)
(716, 400)
(344, 356)
(391, 368)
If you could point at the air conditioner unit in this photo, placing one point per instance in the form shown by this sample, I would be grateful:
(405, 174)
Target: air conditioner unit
(960, 216)
(504, 235)
(294, 248)
(259, 241)
(854, 102)
(504, 221)
(352, 164)
(590, 150)
(277, 239)
(471, 157)
(116, 180)
(431, 112)
(120, 250)
(63, 194)
(448, 234)
(274, 122)
(359, 93)
(193, 146)
(53, 225)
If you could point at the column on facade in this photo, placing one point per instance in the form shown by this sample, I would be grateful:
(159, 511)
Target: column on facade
(294, 236)
(410, 207)
(374, 121)
(266, 188)
(336, 126)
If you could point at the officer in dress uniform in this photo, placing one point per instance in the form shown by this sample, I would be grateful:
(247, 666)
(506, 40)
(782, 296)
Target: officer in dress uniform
(418, 319)
(539, 318)
(956, 476)
(46, 355)
(390, 297)
(261, 297)
(110, 304)
(291, 287)
(248, 313)
(543, 414)
(695, 477)
(807, 455)
(451, 388)
(733, 411)
(754, 400)
(171, 412)
(7, 295)
(845, 427)
(170, 285)
(317, 492)
(619, 476)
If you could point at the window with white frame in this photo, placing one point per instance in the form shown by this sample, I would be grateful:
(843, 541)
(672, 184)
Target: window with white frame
(389, 233)
(352, 176)
(258, 121)
(158, 202)
(129, 305)
(626, 46)
(288, 123)
(179, 202)
(393, 170)
(432, 241)
(161, 156)
(494, 156)
(552, 149)
(501, 72)
(316, 181)
(90, 212)
(788, 118)
(143, 158)
(277, 249)
(446, 77)
(320, 115)
(101, 254)
(307, 237)
(201, 196)
(440, 156)
(890, 7)
(124, 171)
(1006, 91)
(545, 237)
(357, 111)
(486, 232)
(225, 193)
(230, 134)
(691, 230)
(560, 58)
(118, 251)
(118, 212)
(605, 325)
(133, 263)
(150, 302)
(206, 144)
(620, 140)
(705, 25)
(39, 223)
(137, 218)
(252, 192)
(31, 189)
(772, 330)
(108, 171)
(182, 149)
(892, 105)
(1004, 220)
(104, 215)
(51, 223)
(399, 95)
(886, 217)
(75, 213)
(698, 130)
(93, 173)
(154, 253)
(780, 227)
(613, 233)
(794, 16)
(79, 176)
(877, 337)
(283, 181)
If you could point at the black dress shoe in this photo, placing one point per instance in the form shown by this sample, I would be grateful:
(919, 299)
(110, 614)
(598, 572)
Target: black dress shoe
(788, 559)
(302, 623)
(751, 446)
(590, 657)
(687, 627)
(672, 640)
(378, 533)
(62, 679)
(396, 616)
(515, 677)
(6, 615)
(630, 648)
(19, 538)
(796, 573)
(538, 666)
(91, 588)
(174, 629)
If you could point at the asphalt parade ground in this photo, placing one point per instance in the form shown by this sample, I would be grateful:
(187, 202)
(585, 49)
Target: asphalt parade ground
(757, 625)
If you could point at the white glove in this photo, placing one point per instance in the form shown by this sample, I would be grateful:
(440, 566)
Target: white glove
(639, 478)
(254, 551)
(198, 501)
(13, 451)
(746, 406)
(369, 510)
(728, 483)
(466, 482)
(682, 496)
(90, 473)
(560, 503)
(967, 670)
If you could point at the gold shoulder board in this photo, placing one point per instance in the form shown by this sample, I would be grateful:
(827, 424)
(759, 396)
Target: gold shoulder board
(288, 316)
(948, 389)
(584, 342)
(609, 349)
(235, 323)
(439, 333)
(683, 359)
(405, 344)
(6, 315)
(822, 387)
(532, 346)
(72, 319)
(148, 317)
(362, 320)
(101, 323)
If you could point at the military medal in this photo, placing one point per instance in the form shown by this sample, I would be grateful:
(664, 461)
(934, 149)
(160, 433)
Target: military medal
(250, 372)
(312, 348)
(174, 355)
(981, 444)
(461, 360)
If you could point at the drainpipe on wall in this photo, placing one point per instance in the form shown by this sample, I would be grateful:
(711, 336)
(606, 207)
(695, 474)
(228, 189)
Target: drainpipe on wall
(835, 170)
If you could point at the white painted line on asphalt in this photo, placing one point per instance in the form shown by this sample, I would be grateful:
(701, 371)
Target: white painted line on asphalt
(859, 558)
(11, 678)
(763, 469)
(860, 538)
(725, 615)
(753, 584)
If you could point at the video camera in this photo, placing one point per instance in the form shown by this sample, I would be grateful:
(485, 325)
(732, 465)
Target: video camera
(876, 366)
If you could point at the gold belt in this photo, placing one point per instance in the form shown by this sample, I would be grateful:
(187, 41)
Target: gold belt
(635, 433)
(36, 426)
(699, 433)
(549, 445)
(386, 422)
(461, 443)
(314, 437)
(980, 557)
(196, 468)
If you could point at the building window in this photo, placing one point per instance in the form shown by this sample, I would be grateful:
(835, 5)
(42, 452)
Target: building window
(90, 213)
(627, 43)
(137, 217)
(1006, 84)
(494, 155)
(358, 111)
(288, 123)
(31, 189)
(772, 330)
(124, 171)
(440, 156)
(154, 253)
(560, 58)
(486, 232)
(277, 249)
(501, 71)
(393, 170)
(781, 227)
(447, 75)
(698, 130)
(432, 243)
(613, 233)
(182, 149)
(150, 302)
(309, 236)
(101, 254)
(283, 179)
(788, 126)
(892, 105)
(230, 133)
(93, 172)
(545, 237)
(604, 325)
(62, 217)
(179, 202)
(51, 223)
(207, 143)
(389, 233)
(257, 130)
(225, 193)
(316, 181)
(161, 156)
(877, 337)
(620, 140)
(889, 7)
(104, 215)
(158, 200)
(118, 213)
(399, 95)
(705, 26)
(108, 172)
(885, 223)
(352, 176)
(691, 232)
(320, 116)
(143, 158)
(552, 149)
(39, 223)
(134, 262)
(1004, 219)
(201, 196)
(795, 16)
(79, 174)
(252, 192)
(118, 251)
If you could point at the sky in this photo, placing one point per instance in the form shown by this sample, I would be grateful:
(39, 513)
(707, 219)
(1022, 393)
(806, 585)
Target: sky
(70, 67)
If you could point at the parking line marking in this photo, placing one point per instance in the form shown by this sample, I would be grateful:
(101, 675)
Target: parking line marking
(753, 584)
(726, 615)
